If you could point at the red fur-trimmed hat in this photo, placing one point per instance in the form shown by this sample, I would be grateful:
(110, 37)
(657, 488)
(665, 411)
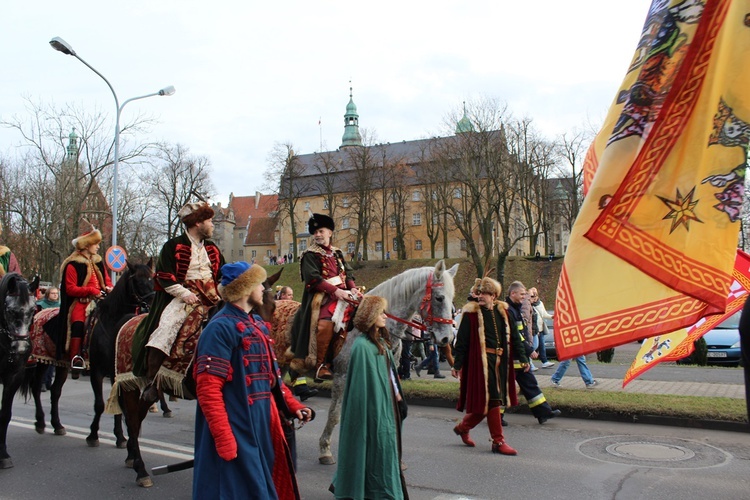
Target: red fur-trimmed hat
(193, 213)
(85, 240)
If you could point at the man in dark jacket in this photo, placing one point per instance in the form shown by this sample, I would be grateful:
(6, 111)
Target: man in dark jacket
(187, 274)
(328, 282)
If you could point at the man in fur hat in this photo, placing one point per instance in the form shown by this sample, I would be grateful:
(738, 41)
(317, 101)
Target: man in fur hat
(483, 361)
(240, 450)
(83, 279)
(328, 281)
(187, 273)
(8, 262)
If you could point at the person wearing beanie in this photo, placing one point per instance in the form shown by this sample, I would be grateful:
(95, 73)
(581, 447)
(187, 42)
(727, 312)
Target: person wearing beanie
(84, 278)
(369, 455)
(328, 281)
(482, 361)
(526, 380)
(187, 273)
(240, 449)
(8, 262)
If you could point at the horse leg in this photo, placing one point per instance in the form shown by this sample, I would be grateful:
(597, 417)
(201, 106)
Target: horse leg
(61, 375)
(96, 378)
(135, 410)
(334, 413)
(164, 407)
(9, 391)
(120, 440)
(37, 376)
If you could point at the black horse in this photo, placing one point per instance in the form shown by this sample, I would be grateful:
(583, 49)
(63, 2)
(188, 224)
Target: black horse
(17, 310)
(132, 295)
(133, 290)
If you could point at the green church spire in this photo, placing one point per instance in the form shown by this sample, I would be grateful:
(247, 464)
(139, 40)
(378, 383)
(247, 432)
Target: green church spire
(351, 125)
(464, 124)
(73, 145)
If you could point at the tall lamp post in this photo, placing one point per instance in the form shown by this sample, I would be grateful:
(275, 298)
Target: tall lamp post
(61, 45)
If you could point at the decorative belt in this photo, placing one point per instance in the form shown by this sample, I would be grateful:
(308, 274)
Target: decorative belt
(335, 281)
(497, 352)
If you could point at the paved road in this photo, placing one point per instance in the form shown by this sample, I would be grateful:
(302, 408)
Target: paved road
(564, 459)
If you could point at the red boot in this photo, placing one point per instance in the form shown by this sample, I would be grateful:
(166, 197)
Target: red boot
(494, 421)
(468, 423)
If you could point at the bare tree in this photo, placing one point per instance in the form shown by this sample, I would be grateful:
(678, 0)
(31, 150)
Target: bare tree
(361, 184)
(571, 148)
(285, 176)
(327, 166)
(178, 178)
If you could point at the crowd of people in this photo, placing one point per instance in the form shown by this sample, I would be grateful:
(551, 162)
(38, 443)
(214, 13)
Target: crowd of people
(243, 439)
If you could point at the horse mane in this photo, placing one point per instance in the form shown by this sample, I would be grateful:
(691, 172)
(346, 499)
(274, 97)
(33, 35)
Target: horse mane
(15, 283)
(402, 286)
(118, 297)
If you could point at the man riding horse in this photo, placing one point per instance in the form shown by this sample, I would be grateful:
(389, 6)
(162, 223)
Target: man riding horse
(8, 262)
(187, 274)
(328, 280)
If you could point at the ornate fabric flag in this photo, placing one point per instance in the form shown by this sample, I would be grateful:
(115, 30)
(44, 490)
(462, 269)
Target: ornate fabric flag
(676, 345)
(653, 247)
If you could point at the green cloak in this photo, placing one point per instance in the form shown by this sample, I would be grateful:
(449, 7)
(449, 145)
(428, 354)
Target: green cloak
(370, 434)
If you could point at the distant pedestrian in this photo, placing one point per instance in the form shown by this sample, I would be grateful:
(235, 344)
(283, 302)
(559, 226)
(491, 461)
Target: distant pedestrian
(542, 315)
(583, 369)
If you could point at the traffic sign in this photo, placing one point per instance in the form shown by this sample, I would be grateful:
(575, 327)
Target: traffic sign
(116, 258)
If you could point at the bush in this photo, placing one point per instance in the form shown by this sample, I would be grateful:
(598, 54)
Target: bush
(700, 355)
(606, 355)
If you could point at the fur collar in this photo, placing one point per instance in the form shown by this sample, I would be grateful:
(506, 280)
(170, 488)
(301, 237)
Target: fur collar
(474, 307)
(315, 248)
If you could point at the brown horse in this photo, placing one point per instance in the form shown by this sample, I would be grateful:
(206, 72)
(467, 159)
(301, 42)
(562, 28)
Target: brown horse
(125, 397)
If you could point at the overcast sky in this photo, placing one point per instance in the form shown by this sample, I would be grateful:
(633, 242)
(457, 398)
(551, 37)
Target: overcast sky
(251, 74)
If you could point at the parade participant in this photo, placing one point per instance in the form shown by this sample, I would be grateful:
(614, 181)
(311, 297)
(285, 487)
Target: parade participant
(240, 449)
(526, 380)
(370, 433)
(187, 273)
(8, 262)
(84, 278)
(483, 363)
(328, 280)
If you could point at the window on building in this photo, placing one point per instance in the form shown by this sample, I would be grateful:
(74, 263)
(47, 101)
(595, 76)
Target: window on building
(241, 253)
(418, 245)
(416, 219)
(307, 205)
(231, 253)
(395, 244)
(435, 219)
(416, 196)
(463, 244)
(268, 253)
(254, 254)
(350, 247)
(378, 246)
(459, 216)
(457, 193)
(345, 223)
(242, 236)
(325, 204)
(345, 202)
(302, 245)
(291, 247)
(392, 221)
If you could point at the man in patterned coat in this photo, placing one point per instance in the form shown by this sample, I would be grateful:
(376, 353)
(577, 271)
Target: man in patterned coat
(187, 273)
(328, 281)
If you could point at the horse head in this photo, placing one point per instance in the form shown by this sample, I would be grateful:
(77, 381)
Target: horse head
(269, 297)
(139, 284)
(437, 309)
(17, 314)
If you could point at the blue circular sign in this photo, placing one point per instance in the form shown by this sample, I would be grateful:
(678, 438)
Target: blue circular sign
(116, 258)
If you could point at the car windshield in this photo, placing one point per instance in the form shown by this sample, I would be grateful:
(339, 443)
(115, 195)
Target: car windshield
(731, 323)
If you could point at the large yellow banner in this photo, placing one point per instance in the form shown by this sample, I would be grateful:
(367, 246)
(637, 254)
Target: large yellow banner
(653, 247)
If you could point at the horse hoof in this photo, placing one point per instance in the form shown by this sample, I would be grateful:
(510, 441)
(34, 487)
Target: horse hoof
(145, 482)
(6, 463)
(168, 414)
(121, 444)
(327, 460)
(60, 432)
(92, 442)
(39, 430)
(129, 463)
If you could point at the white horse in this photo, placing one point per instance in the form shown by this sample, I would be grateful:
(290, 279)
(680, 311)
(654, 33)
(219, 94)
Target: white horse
(425, 290)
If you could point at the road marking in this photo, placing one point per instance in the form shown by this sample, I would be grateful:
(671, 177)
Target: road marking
(82, 433)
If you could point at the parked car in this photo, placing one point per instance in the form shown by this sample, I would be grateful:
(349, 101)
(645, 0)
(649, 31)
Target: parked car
(723, 343)
(549, 338)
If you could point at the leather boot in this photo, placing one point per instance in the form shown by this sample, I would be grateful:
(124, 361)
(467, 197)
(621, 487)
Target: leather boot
(469, 422)
(301, 389)
(77, 364)
(494, 421)
(325, 335)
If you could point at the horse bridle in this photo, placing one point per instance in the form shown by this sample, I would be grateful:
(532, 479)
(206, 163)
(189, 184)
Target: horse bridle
(4, 330)
(141, 303)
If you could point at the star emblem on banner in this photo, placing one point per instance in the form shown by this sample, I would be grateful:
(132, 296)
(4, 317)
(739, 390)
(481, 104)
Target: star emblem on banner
(681, 210)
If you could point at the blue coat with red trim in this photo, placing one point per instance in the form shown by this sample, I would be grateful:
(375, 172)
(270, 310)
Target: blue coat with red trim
(234, 369)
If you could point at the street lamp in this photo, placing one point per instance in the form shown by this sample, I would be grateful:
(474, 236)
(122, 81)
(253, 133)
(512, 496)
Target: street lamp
(61, 45)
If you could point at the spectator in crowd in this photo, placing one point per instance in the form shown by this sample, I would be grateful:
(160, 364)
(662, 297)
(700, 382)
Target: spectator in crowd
(583, 369)
(542, 315)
